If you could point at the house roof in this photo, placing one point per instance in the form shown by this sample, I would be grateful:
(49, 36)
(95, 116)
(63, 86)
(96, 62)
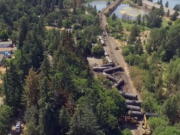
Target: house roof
(5, 44)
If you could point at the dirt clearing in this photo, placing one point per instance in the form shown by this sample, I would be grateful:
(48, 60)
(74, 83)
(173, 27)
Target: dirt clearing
(94, 61)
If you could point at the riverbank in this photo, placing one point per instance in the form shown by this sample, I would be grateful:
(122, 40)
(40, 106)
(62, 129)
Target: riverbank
(132, 11)
(125, 10)
(128, 9)
(149, 5)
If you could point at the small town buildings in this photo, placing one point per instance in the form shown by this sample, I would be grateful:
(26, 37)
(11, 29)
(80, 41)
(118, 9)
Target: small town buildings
(6, 44)
(7, 48)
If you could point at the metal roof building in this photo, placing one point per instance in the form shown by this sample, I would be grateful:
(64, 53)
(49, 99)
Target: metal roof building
(6, 44)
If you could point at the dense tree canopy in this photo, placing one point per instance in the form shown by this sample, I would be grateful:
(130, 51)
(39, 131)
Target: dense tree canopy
(153, 56)
(5, 118)
(48, 80)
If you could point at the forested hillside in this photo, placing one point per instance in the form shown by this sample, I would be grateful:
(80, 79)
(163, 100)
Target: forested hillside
(155, 67)
(48, 85)
(152, 50)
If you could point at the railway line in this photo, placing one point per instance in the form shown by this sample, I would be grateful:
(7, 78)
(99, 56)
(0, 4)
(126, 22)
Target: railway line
(121, 78)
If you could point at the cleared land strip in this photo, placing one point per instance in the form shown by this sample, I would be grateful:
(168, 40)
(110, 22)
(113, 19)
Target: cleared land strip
(115, 53)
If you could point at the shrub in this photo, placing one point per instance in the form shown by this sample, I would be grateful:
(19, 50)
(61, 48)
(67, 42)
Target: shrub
(97, 50)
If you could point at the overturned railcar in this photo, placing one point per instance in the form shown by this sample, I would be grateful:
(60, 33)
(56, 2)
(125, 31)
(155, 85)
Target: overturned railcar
(113, 69)
(133, 108)
(110, 77)
(133, 102)
(108, 65)
(151, 114)
(119, 84)
(99, 69)
(137, 114)
(130, 96)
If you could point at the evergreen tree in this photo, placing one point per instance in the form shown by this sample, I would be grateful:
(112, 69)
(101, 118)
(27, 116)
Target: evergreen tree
(48, 109)
(168, 13)
(24, 23)
(33, 49)
(114, 17)
(64, 120)
(31, 118)
(61, 4)
(5, 118)
(12, 87)
(134, 34)
(157, 37)
(154, 19)
(174, 16)
(167, 4)
(31, 90)
(161, 10)
(171, 108)
(4, 35)
(160, 2)
(173, 73)
(171, 46)
(45, 66)
(138, 47)
(84, 122)
(139, 2)
(139, 19)
(177, 7)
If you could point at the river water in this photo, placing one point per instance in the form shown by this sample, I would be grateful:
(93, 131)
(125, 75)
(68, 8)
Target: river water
(127, 12)
(122, 11)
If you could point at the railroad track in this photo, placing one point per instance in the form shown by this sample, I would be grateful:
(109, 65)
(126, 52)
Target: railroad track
(116, 56)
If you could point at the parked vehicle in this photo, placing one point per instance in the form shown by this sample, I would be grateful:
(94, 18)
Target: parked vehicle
(18, 127)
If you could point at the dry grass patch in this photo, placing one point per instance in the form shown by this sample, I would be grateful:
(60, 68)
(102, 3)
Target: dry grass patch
(54, 28)
(2, 70)
(137, 76)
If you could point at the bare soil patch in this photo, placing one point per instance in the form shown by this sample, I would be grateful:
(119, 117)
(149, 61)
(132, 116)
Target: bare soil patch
(94, 61)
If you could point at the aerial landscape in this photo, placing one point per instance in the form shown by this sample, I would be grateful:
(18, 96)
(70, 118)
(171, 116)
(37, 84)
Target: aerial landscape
(89, 67)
